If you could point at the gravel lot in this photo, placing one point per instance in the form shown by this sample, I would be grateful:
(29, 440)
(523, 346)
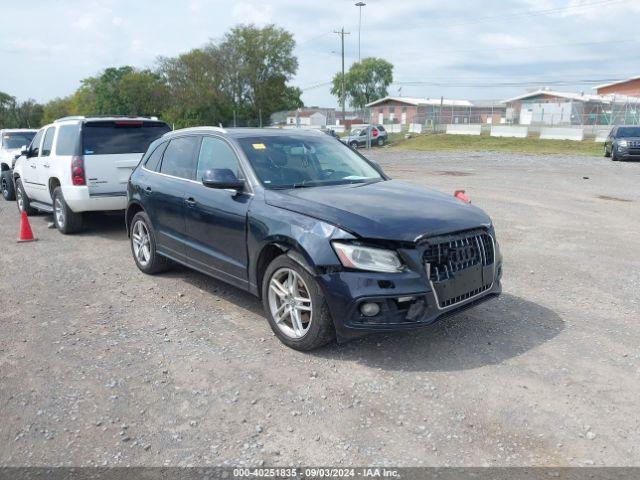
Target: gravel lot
(102, 365)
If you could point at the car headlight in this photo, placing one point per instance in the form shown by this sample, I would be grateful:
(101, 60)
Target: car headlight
(367, 258)
(622, 143)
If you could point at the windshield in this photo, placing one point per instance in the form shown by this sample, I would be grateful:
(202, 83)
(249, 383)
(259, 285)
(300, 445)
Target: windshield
(12, 140)
(628, 132)
(122, 136)
(282, 161)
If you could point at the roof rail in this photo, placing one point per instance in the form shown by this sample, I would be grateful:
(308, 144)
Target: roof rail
(85, 117)
(70, 117)
(199, 129)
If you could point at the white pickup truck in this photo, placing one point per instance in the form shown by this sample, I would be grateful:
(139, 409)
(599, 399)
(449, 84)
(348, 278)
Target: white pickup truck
(81, 164)
(11, 142)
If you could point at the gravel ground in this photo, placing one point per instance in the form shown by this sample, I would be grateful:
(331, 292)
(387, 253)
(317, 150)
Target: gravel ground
(102, 365)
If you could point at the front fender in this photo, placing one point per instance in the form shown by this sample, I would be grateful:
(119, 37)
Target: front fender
(306, 240)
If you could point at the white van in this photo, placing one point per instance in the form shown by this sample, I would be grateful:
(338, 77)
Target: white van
(81, 164)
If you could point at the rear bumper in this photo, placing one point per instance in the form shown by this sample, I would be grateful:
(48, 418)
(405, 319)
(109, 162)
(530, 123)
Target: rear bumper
(80, 200)
(406, 301)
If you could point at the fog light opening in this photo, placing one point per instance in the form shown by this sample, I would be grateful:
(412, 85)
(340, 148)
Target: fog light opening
(369, 309)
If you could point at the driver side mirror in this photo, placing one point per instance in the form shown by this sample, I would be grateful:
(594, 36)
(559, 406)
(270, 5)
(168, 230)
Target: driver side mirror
(24, 150)
(222, 178)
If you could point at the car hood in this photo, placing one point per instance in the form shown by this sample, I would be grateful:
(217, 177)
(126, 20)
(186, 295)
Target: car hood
(390, 210)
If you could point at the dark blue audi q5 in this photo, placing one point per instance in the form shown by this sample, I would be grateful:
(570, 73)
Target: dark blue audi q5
(332, 246)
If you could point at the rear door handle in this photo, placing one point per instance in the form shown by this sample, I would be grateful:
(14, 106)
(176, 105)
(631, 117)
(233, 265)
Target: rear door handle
(190, 202)
(33, 165)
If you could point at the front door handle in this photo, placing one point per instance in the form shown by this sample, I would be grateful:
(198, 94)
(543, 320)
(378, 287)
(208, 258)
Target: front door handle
(33, 165)
(46, 165)
(190, 202)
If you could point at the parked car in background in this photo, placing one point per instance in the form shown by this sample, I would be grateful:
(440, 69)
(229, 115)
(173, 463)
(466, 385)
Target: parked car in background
(623, 143)
(81, 164)
(331, 245)
(375, 134)
(11, 141)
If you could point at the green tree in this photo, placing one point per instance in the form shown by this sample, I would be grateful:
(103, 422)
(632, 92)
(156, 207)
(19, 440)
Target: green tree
(258, 64)
(365, 81)
(57, 108)
(14, 114)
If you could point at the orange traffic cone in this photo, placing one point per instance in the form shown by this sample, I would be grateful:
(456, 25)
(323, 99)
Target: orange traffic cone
(460, 195)
(26, 235)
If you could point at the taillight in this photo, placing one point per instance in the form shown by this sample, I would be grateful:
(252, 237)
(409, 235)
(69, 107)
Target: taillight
(77, 171)
(375, 132)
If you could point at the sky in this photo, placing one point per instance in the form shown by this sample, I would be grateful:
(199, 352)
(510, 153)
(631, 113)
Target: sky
(462, 49)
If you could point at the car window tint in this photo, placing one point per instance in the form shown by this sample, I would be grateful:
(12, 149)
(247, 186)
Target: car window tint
(216, 153)
(153, 162)
(47, 145)
(67, 143)
(120, 136)
(15, 140)
(35, 144)
(180, 157)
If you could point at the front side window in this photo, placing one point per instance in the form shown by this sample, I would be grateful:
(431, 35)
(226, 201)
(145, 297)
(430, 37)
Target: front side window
(215, 153)
(15, 140)
(282, 161)
(47, 145)
(180, 157)
(34, 148)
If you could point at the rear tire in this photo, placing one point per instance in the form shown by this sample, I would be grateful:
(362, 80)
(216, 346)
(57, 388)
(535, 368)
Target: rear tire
(381, 142)
(143, 246)
(6, 182)
(315, 327)
(24, 204)
(66, 220)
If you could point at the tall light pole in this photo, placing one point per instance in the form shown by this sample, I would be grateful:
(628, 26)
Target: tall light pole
(359, 5)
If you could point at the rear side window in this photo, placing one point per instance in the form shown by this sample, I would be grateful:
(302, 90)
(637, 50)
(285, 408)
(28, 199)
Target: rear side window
(47, 145)
(68, 140)
(180, 157)
(153, 162)
(120, 137)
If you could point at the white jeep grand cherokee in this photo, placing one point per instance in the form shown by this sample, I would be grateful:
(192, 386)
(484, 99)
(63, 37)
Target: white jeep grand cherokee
(81, 164)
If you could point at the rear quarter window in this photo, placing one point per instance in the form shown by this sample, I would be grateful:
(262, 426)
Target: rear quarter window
(153, 162)
(68, 142)
(120, 137)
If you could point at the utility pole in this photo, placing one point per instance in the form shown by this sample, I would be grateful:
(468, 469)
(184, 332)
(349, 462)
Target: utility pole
(359, 5)
(342, 33)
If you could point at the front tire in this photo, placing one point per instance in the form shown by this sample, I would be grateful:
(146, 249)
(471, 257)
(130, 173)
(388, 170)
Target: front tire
(66, 220)
(607, 154)
(24, 204)
(6, 183)
(614, 157)
(354, 145)
(295, 306)
(143, 245)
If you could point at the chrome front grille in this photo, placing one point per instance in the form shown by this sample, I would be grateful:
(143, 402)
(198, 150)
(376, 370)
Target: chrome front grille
(446, 255)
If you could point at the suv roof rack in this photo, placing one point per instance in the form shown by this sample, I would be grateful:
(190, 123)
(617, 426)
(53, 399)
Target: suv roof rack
(87, 117)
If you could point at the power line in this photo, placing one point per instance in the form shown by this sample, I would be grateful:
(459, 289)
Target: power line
(533, 47)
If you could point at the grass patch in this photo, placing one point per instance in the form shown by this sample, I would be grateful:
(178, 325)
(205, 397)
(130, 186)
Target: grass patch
(443, 142)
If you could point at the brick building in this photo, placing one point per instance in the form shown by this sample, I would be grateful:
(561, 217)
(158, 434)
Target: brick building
(629, 87)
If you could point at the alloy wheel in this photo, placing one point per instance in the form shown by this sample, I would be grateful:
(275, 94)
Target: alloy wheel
(290, 303)
(20, 199)
(141, 241)
(58, 211)
(5, 188)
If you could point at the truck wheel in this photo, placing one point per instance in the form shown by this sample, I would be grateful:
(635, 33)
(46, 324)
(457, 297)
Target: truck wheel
(66, 220)
(24, 204)
(143, 245)
(8, 192)
(295, 306)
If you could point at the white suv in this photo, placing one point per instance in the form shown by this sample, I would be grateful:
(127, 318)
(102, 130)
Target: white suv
(81, 164)
(11, 142)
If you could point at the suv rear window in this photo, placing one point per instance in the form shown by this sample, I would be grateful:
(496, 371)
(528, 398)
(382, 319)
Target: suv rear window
(120, 136)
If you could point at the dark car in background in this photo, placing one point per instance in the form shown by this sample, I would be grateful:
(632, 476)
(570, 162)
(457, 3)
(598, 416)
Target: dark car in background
(331, 245)
(373, 134)
(623, 143)
(11, 141)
